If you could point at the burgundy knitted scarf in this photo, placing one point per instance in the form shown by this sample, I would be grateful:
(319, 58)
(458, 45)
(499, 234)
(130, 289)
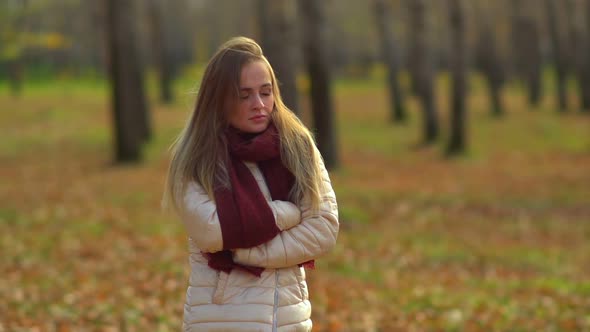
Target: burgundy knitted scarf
(246, 218)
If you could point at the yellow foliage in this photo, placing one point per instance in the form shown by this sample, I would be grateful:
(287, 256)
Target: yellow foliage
(47, 40)
(15, 43)
(54, 41)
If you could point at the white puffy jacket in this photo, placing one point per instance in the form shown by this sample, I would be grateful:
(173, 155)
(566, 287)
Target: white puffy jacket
(238, 301)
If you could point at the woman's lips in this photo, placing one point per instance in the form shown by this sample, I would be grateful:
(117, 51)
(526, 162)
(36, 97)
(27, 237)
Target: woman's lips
(258, 118)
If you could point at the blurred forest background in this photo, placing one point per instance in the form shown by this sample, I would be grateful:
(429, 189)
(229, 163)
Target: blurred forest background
(457, 134)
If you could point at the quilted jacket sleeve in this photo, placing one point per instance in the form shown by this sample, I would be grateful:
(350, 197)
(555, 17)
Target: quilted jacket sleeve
(314, 236)
(200, 219)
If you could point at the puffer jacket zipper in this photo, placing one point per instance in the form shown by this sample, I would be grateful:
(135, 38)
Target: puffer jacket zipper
(276, 303)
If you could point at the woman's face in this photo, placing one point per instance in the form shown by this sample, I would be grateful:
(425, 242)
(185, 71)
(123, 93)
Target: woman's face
(251, 113)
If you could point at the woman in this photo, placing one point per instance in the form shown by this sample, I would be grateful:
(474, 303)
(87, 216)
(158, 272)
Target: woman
(255, 197)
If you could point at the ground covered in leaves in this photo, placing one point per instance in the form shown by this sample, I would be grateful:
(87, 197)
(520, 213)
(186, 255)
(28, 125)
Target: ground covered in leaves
(495, 240)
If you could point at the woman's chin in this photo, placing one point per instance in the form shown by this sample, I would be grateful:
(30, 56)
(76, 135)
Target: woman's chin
(256, 128)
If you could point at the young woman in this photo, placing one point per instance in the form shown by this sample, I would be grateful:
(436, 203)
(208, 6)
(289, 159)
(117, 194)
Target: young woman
(252, 190)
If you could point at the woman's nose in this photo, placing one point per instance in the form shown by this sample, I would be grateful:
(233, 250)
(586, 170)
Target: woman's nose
(257, 102)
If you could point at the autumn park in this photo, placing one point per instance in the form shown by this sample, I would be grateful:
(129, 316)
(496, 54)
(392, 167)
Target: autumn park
(456, 134)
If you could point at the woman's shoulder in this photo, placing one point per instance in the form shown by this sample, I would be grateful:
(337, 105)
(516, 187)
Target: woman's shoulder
(194, 196)
(193, 188)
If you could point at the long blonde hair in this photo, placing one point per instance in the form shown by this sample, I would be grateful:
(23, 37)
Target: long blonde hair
(199, 153)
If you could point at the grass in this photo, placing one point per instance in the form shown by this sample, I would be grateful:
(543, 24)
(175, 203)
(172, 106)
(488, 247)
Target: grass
(494, 240)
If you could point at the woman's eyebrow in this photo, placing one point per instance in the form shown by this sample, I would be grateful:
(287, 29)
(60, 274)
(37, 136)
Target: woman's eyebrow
(250, 89)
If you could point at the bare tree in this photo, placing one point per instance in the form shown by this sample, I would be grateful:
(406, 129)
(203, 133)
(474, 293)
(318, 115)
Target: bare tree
(558, 53)
(526, 48)
(422, 69)
(161, 49)
(14, 28)
(315, 52)
(279, 42)
(390, 57)
(129, 105)
(487, 58)
(585, 82)
(458, 73)
(171, 44)
(574, 52)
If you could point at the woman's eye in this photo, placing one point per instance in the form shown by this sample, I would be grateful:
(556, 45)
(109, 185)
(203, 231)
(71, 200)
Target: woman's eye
(244, 96)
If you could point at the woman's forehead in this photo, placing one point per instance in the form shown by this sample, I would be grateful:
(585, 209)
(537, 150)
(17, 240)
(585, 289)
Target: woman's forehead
(255, 74)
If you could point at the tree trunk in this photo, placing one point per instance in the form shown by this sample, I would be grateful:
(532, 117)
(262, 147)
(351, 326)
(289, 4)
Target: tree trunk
(572, 28)
(495, 76)
(576, 55)
(585, 82)
(315, 46)
(558, 50)
(384, 21)
(458, 60)
(534, 68)
(15, 76)
(15, 64)
(422, 76)
(488, 62)
(128, 99)
(161, 49)
(279, 42)
(527, 53)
